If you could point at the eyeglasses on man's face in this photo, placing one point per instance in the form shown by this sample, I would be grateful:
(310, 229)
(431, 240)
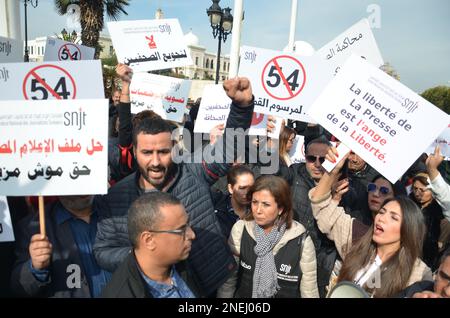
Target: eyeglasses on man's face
(312, 159)
(180, 231)
(372, 187)
(420, 190)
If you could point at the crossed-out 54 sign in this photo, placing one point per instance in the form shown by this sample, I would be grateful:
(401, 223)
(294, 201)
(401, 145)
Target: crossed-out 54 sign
(48, 82)
(283, 77)
(69, 52)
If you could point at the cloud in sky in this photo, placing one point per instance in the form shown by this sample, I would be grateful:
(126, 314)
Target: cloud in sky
(413, 37)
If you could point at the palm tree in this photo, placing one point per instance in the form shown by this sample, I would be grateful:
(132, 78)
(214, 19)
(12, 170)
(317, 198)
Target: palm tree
(92, 17)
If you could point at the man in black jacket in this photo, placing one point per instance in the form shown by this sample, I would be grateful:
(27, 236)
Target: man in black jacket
(161, 237)
(210, 261)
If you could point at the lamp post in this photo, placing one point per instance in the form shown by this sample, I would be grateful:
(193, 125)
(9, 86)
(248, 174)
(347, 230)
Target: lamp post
(221, 24)
(34, 4)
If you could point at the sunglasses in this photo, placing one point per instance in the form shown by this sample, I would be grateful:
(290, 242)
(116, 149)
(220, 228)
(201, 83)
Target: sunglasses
(311, 159)
(372, 187)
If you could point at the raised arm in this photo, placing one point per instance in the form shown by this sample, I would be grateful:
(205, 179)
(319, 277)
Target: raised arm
(440, 188)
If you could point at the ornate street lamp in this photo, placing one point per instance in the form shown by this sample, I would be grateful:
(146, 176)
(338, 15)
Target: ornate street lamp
(34, 4)
(221, 23)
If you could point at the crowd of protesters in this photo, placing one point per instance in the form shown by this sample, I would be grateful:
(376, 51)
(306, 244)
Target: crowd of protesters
(223, 228)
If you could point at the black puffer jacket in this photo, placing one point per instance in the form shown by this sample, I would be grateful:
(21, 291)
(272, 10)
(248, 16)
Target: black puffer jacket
(301, 182)
(210, 259)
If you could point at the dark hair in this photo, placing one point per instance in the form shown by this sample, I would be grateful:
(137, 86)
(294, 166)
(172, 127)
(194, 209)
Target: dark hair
(398, 188)
(237, 171)
(286, 132)
(320, 140)
(395, 272)
(281, 192)
(151, 126)
(142, 115)
(144, 214)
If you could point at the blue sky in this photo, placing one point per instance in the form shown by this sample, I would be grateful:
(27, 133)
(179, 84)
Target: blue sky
(414, 35)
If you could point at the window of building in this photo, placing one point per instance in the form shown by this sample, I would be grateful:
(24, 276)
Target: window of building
(212, 64)
(111, 50)
(196, 60)
(224, 66)
(207, 63)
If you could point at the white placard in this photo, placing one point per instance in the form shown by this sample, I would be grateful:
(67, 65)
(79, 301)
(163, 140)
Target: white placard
(359, 40)
(51, 80)
(380, 119)
(11, 51)
(342, 150)
(297, 153)
(59, 50)
(167, 96)
(443, 140)
(147, 45)
(6, 229)
(54, 147)
(276, 131)
(284, 84)
(214, 109)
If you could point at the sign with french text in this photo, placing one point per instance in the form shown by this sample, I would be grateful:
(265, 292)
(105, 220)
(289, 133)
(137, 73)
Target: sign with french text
(167, 96)
(380, 119)
(284, 85)
(6, 229)
(54, 147)
(59, 50)
(11, 51)
(51, 80)
(147, 45)
(358, 40)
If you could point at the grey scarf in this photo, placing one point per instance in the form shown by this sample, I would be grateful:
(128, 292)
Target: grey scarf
(265, 282)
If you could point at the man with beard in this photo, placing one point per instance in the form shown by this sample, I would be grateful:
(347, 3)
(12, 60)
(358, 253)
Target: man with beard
(60, 264)
(210, 262)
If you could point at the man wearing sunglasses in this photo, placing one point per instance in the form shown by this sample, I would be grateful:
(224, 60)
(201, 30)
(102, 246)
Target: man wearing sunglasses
(159, 231)
(302, 177)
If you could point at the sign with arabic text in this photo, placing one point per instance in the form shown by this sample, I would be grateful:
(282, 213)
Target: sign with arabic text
(11, 51)
(359, 40)
(147, 45)
(59, 50)
(380, 119)
(6, 229)
(284, 85)
(167, 96)
(214, 109)
(54, 147)
(51, 80)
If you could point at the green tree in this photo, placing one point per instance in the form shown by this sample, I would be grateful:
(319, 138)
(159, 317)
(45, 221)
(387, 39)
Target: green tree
(92, 17)
(439, 96)
(389, 69)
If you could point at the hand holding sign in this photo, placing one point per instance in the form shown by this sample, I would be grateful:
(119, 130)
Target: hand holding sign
(40, 251)
(124, 72)
(239, 90)
(433, 161)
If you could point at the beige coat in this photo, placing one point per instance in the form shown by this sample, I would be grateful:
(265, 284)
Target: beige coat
(308, 284)
(337, 226)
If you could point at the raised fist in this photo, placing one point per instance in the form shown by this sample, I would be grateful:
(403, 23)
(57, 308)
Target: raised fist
(239, 90)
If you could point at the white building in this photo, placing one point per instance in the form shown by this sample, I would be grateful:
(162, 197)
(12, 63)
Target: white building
(36, 47)
(204, 67)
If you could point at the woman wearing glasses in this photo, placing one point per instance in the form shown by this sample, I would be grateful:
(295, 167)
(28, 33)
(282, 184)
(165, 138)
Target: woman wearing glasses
(432, 212)
(275, 254)
(383, 259)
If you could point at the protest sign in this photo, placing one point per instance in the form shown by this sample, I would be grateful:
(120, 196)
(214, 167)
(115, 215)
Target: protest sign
(11, 51)
(167, 96)
(297, 153)
(359, 40)
(284, 84)
(214, 109)
(443, 140)
(58, 50)
(54, 147)
(147, 45)
(52, 80)
(380, 119)
(6, 229)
